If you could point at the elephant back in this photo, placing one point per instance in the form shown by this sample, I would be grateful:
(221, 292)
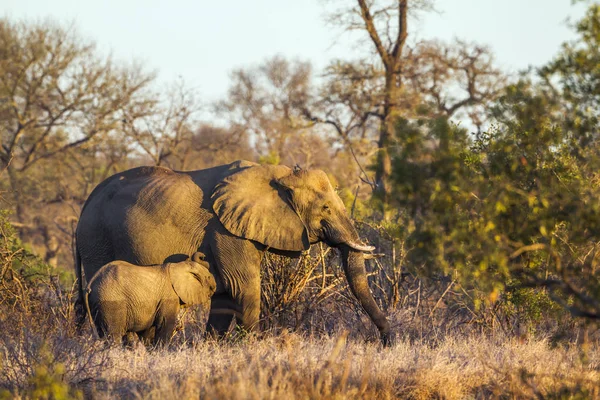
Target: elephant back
(142, 216)
(124, 177)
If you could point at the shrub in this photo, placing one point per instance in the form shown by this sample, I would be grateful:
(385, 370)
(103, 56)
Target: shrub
(41, 353)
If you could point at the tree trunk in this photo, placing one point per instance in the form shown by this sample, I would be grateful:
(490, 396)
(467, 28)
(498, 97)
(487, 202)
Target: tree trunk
(392, 61)
(18, 203)
(386, 132)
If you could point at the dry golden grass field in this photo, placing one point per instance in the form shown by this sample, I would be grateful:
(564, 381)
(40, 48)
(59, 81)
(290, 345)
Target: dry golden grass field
(292, 366)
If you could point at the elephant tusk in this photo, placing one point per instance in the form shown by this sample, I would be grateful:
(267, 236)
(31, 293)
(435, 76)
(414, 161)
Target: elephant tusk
(361, 247)
(370, 256)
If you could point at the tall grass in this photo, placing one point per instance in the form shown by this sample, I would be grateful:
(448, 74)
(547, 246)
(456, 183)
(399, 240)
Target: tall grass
(293, 366)
(42, 356)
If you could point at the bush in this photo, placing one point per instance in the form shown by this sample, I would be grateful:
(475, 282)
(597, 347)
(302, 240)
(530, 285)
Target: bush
(508, 211)
(41, 353)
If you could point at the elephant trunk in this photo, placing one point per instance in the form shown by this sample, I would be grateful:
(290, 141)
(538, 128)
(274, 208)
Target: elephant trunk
(342, 232)
(354, 267)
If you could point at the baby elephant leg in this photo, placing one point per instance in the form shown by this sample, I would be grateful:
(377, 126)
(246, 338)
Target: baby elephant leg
(165, 322)
(112, 326)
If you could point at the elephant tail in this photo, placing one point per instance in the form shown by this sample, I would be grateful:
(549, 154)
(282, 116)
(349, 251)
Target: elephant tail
(86, 301)
(80, 306)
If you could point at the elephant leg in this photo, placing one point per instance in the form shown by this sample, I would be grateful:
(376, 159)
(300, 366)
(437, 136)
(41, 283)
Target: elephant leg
(222, 310)
(112, 325)
(147, 336)
(238, 262)
(165, 331)
(165, 323)
(245, 307)
(249, 299)
(80, 314)
(129, 340)
(101, 329)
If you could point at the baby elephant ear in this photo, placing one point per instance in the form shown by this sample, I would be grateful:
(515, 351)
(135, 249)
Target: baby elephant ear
(192, 283)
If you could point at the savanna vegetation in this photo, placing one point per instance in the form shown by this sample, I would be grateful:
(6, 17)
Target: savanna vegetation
(481, 189)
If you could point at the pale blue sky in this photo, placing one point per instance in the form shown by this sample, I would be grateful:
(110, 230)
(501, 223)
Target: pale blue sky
(203, 40)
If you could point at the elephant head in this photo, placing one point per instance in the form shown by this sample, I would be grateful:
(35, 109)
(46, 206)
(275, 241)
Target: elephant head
(288, 210)
(192, 281)
(284, 209)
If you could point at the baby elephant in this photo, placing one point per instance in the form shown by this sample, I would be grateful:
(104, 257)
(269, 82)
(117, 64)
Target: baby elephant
(122, 297)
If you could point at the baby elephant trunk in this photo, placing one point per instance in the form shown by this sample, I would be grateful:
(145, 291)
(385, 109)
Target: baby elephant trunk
(199, 258)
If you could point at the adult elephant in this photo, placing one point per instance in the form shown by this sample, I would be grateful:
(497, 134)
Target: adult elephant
(233, 213)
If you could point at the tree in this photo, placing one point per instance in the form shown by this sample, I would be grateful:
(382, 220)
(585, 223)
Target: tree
(516, 208)
(213, 145)
(453, 80)
(266, 102)
(56, 94)
(62, 110)
(386, 26)
(405, 81)
(573, 76)
(164, 131)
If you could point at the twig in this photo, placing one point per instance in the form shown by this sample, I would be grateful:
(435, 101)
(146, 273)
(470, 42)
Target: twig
(354, 202)
(531, 247)
(441, 297)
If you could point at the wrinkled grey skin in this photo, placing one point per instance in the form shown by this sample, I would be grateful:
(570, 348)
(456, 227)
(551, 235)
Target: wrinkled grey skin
(124, 298)
(233, 213)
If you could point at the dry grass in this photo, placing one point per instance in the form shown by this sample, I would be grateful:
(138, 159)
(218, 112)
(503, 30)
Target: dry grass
(291, 366)
(42, 356)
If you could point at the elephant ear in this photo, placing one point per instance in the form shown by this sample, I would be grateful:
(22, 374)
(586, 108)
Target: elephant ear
(252, 204)
(190, 287)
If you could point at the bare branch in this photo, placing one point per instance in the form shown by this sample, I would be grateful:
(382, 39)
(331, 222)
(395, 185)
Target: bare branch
(372, 31)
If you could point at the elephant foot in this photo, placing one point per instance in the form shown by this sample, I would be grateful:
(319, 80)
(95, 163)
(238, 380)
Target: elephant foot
(223, 315)
(388, 339)
(220, 327)
(131, 340)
